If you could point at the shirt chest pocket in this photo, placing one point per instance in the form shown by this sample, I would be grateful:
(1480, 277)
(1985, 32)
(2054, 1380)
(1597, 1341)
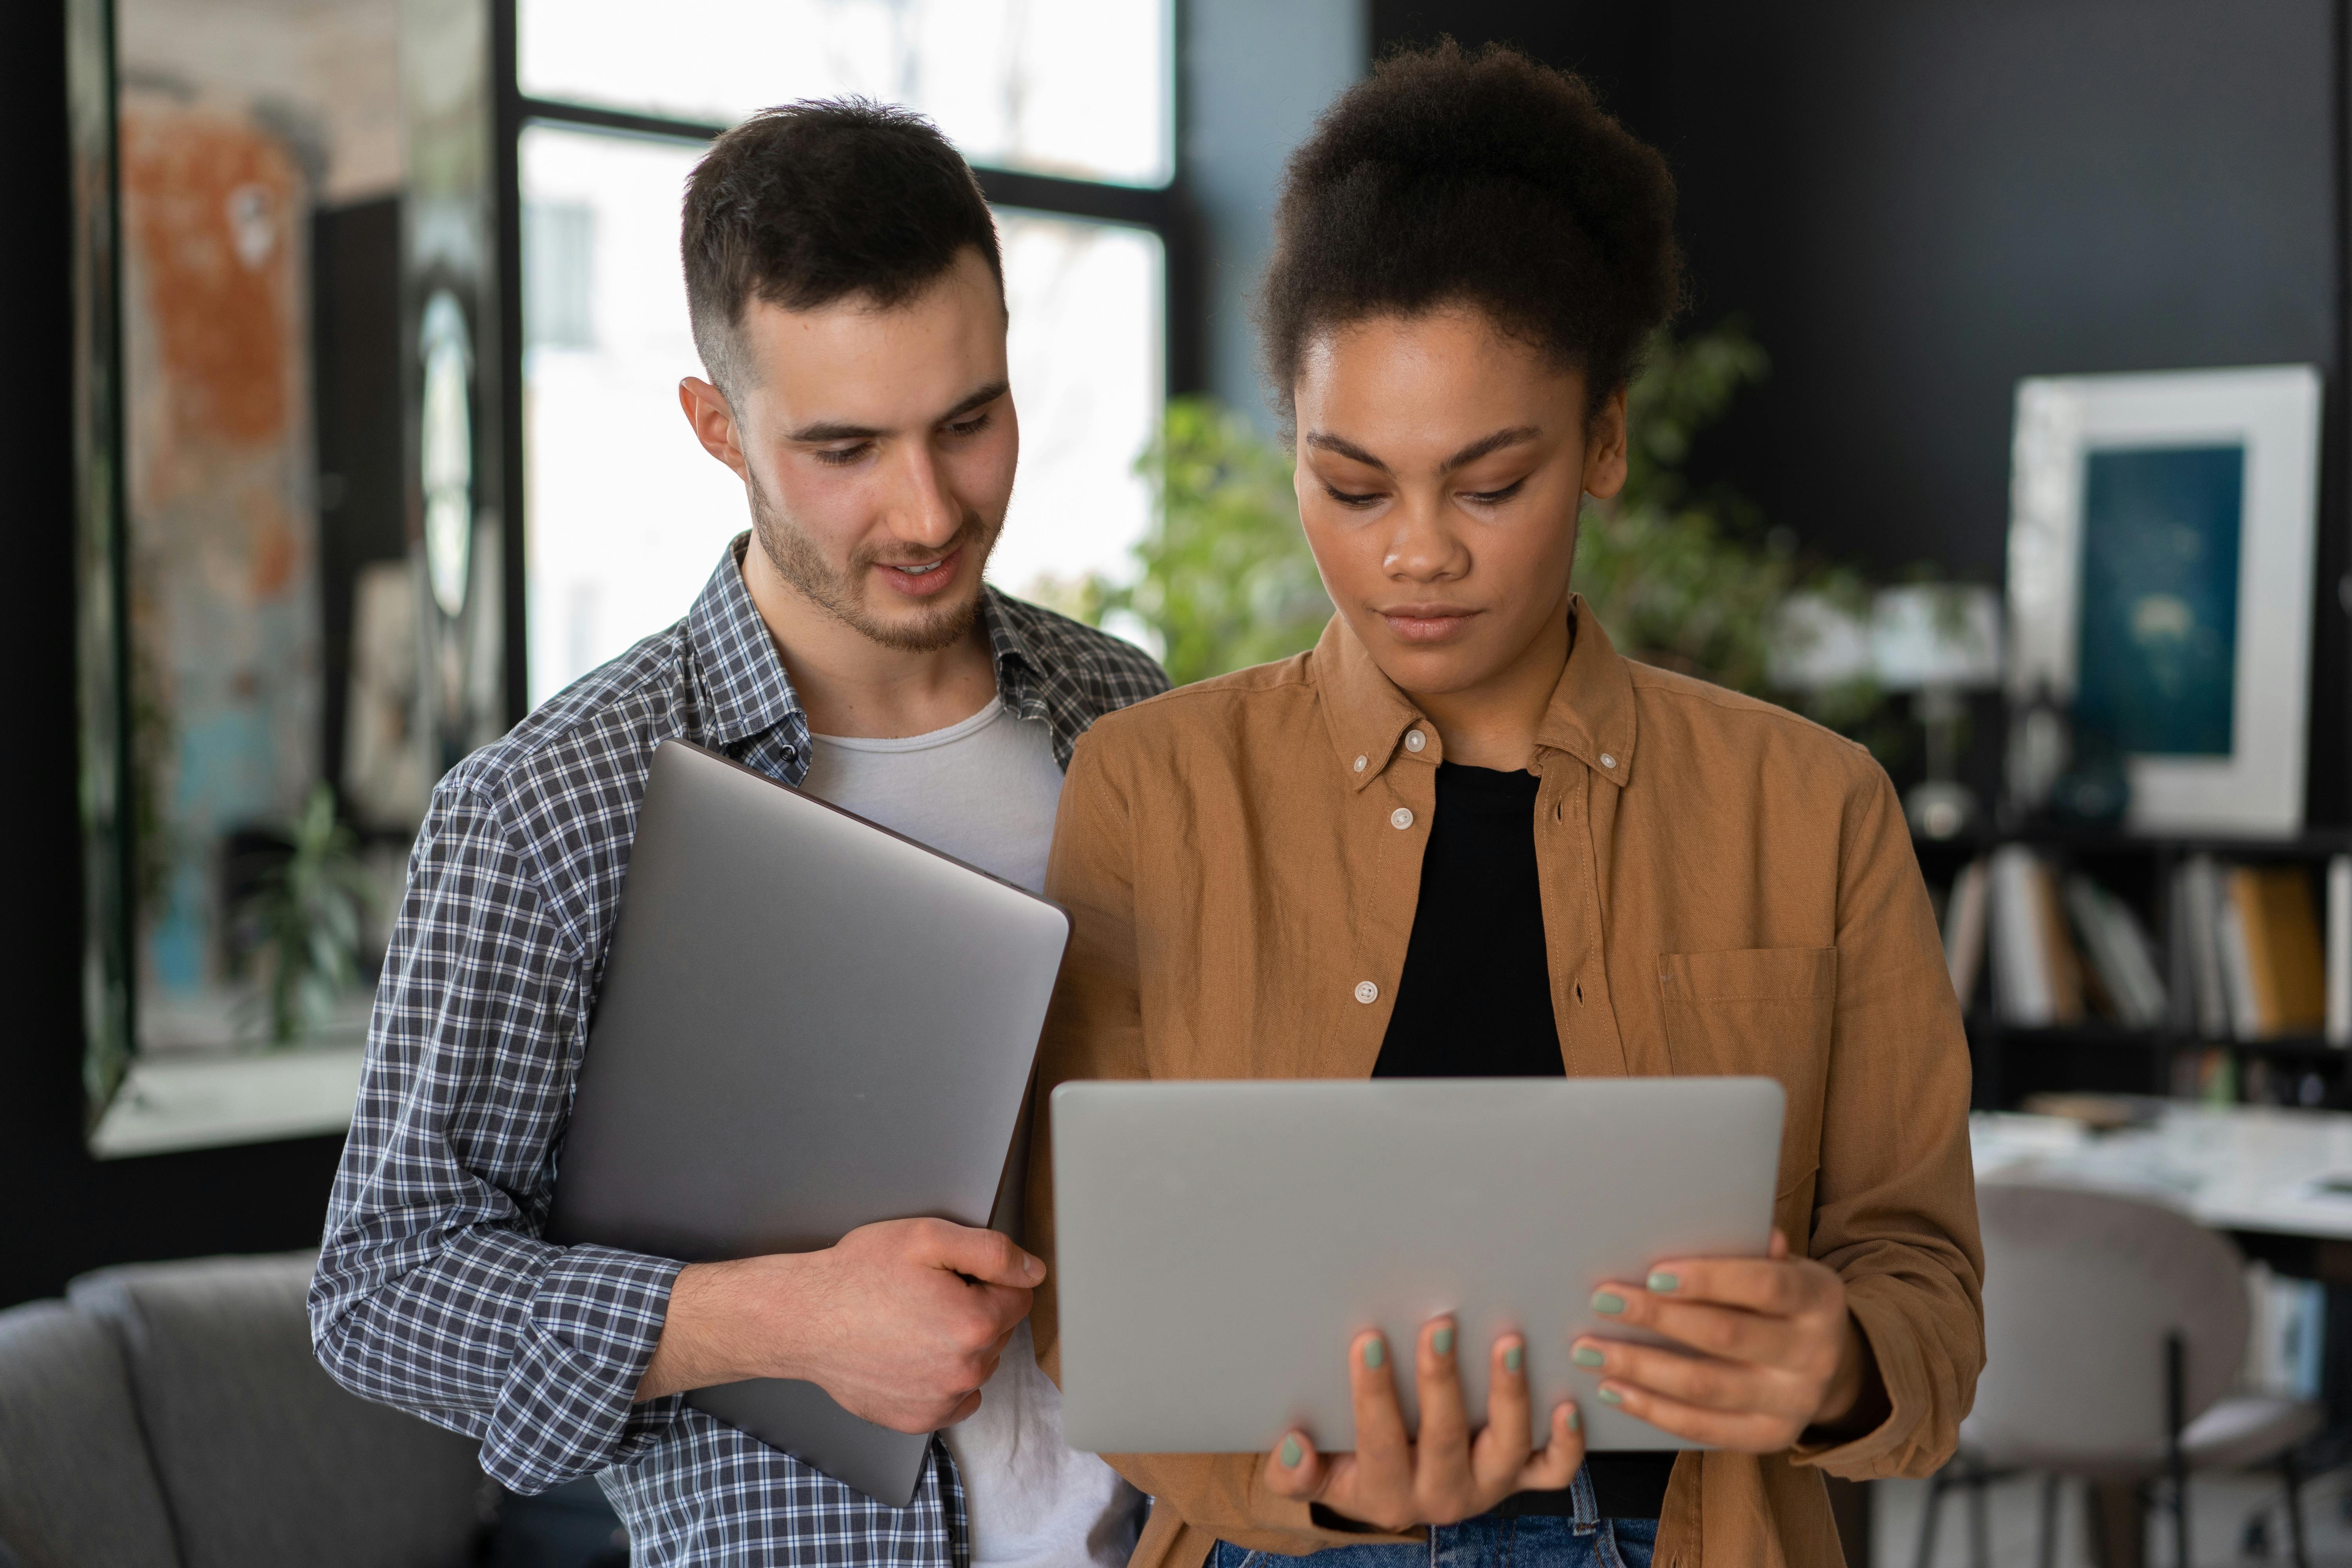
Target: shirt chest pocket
(1763, 1012)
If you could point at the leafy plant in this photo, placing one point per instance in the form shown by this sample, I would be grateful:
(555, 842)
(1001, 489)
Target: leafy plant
(1227, 580)
(1681, 578)
(304, 921)
(1688, 580)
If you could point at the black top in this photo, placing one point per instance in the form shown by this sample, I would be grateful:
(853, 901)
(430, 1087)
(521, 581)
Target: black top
(1474, 1001)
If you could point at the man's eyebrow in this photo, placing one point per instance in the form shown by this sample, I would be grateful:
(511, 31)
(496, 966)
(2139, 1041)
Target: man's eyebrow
(835, 431)
(1495, 443)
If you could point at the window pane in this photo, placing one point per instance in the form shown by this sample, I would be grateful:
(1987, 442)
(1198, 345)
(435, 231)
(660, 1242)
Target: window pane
(1085, 362)
(1065, 87)
(628, 514)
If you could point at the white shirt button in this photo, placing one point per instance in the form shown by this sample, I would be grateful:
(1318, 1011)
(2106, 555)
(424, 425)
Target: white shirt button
(1366, 993)
(1400, 817)
(1607, 761)
(1359, 764)
(1414, 740)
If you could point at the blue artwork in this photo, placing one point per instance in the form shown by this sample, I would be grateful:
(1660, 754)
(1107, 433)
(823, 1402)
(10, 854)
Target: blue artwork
(2157, 667)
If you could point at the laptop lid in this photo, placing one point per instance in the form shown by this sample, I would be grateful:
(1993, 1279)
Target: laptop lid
(1219, 1245)
(806, 1024)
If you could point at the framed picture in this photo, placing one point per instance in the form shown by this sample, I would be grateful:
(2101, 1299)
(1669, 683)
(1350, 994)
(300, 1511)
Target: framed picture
(2160, 561)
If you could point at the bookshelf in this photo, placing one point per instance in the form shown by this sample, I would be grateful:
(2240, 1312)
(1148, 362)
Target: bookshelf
(2013, 1062)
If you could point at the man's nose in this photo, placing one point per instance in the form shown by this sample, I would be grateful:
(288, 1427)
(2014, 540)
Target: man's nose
(928, 512)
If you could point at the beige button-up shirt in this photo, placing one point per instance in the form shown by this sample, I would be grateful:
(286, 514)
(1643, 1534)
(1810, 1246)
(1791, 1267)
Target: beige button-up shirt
(1726, 888)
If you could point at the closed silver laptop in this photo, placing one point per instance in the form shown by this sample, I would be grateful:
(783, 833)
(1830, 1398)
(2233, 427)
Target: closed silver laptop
(806, 1024)
(1218, 1246)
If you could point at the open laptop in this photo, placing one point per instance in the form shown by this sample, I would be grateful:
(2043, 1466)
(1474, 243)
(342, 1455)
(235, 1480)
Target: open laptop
(1219, 1245)
(807, 1022)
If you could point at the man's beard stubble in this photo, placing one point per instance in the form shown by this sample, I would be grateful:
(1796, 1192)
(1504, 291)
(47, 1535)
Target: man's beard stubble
(799, 561)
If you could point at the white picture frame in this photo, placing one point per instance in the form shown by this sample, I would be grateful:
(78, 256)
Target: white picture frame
(2065, 426)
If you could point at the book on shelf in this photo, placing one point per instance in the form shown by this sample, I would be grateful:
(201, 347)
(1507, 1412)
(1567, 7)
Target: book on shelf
(1964, 930)
(2037, 978)
(2121, 953)
(2286, 1333)
(2340, 950)
(2197, 895)
(2249, 949)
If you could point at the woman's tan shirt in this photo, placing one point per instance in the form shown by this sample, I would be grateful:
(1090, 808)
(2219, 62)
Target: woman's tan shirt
(1726, 888)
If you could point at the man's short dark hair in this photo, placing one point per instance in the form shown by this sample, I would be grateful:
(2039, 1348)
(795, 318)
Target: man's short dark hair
(1485, 179)
(808, 204)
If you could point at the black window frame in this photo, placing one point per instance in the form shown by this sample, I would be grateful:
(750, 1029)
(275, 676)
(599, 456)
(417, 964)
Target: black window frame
(1164, 210)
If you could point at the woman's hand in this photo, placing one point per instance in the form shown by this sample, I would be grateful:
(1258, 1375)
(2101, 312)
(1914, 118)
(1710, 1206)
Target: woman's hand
(1780, 1353)
(1395, 1481)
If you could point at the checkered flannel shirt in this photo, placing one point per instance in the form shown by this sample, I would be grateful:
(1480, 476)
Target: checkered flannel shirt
(435, 1292)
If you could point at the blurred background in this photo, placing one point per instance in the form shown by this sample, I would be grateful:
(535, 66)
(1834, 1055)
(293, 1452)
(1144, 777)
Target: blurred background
(342, 418)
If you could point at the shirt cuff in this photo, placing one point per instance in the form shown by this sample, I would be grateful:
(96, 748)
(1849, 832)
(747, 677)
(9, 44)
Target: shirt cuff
(1882, 1327)
(568, 1405)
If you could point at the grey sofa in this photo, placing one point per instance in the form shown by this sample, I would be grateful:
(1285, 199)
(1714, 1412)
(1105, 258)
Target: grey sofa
(172, 1416)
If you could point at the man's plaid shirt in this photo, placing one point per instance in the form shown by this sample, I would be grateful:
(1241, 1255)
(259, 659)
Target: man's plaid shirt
(435, 1292)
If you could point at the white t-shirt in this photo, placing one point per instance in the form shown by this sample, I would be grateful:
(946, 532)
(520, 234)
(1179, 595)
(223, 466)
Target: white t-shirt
(984, 790)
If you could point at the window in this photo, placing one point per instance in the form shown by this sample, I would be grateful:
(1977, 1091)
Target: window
(1062, 105)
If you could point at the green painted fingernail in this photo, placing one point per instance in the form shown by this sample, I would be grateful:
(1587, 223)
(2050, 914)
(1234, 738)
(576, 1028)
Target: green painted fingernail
(1514, 1358)
(1587, 1356)
(1375, 1351)
(1291, 1453)
(1611, 1397)
(1607, 1301)
(1661, 1283)
(1441, 1342)
(1575, 1419)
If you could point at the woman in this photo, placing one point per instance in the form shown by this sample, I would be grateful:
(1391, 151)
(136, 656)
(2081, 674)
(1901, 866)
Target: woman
(1463, 835)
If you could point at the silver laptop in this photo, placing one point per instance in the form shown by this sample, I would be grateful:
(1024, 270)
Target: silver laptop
(806, 1024)
(1218, 1244)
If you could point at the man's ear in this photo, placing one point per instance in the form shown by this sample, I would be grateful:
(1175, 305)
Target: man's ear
(1604, 449)
(713, 418)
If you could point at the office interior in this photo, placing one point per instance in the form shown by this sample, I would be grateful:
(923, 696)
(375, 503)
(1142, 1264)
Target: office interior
(295, 537)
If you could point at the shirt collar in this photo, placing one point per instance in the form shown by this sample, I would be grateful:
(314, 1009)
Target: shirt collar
(743, 679)
(1590, 717)
(749, 693)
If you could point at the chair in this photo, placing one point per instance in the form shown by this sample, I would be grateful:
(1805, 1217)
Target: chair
(2113, 1329)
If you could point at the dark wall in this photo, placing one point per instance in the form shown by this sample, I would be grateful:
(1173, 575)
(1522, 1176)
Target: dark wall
(61, 1212)
(1914, 204)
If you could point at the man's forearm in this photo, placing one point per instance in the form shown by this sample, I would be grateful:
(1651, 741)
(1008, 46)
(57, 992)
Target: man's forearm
(728, 1321)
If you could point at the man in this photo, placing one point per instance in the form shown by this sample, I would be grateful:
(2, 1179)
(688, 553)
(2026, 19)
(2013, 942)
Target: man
(848, 300)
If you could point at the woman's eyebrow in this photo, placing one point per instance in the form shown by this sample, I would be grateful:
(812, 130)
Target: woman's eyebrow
(1324, 442)
(1495, 443)
(1512, 437)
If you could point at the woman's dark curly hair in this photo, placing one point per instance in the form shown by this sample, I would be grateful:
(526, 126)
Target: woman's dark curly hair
(1485, 179)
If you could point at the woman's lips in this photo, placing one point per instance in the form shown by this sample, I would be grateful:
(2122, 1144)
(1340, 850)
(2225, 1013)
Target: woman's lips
(923, 583)
(1426, 623)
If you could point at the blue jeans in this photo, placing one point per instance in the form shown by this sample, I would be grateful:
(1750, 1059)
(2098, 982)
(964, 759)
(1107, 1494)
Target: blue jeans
(1584, 1539)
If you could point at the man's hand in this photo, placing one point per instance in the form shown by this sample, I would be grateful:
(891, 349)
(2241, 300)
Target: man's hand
(901, 1321)
(1395, 1481)
(1780, 1352)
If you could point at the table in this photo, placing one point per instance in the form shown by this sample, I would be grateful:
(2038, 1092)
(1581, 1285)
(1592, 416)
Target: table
(2279, 1180)
(2245, 1168)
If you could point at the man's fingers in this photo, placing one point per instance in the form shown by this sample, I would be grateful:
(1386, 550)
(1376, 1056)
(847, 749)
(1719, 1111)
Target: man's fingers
(1742, 1432)
(982, 1255)
(1554, 1466)
(1293, 1469)
(1501, 1450)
